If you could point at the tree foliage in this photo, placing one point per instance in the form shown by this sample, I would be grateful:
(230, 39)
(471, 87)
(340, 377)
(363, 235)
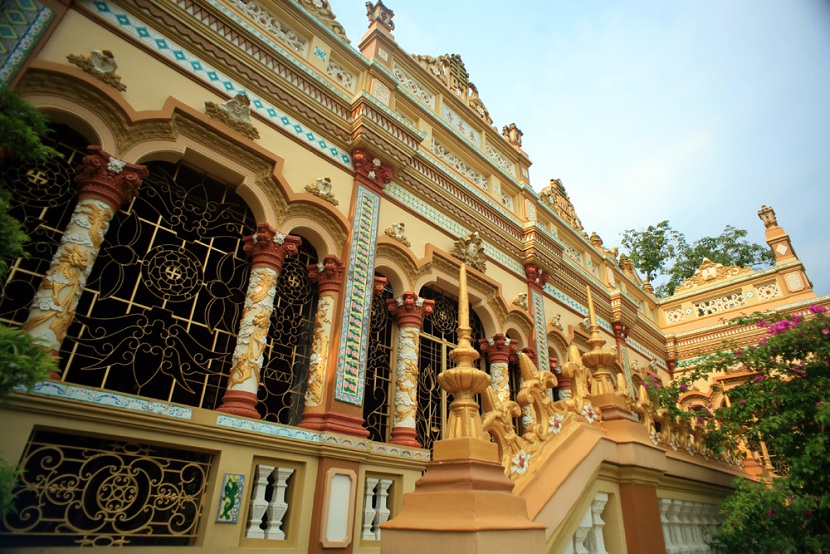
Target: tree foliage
(784, 403)
(650, 250)
(659, 250)
(729, 248)
(22, 362)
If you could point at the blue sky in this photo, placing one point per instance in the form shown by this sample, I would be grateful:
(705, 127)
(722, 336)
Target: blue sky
(693, 111)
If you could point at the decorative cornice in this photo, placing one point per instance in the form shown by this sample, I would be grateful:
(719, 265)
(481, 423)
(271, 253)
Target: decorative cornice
(370, 171)
(498, 348)
(108, 179)
(328, 274)
(269, 248)
(410, 309)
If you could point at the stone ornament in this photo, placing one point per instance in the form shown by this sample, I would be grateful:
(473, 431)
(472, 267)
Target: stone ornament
(322, 11)
(521, 300)
(710, 272)
(235, 113)
(396, 231)
(513, 135)
(101, 65)
(557, 321)
(470, 250)
(767, 215)
(554, 195)
(321, 188)
(450, 70)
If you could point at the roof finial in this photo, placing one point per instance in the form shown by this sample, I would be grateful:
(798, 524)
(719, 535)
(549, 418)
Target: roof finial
(380, 14)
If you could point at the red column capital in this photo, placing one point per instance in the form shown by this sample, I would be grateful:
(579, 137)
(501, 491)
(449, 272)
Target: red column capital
(498, 348)
(536, 277)
(370, 171)
(268, 247)
(410, 309)
(328, 274)
(105, 178)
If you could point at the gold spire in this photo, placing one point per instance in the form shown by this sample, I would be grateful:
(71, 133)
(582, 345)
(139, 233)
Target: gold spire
(464, 380)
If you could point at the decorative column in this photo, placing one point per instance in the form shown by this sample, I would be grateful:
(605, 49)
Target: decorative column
(105, 184)
(328, 274)
(341, 409)
(536, 280)
(410, 311)
(498, 350)
(268, 249)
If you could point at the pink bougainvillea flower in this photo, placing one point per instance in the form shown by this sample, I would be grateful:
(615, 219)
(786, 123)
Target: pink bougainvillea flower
(817, 309)
(741, 402)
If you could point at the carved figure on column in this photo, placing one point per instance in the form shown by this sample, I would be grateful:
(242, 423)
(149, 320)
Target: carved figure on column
(328, 274)
(268, 250)
(536, 277)
(105, 184)
(410, 310)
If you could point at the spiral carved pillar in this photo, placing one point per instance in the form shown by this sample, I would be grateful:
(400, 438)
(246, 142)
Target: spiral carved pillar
(105, 185)
(268, 250)
(410, 310)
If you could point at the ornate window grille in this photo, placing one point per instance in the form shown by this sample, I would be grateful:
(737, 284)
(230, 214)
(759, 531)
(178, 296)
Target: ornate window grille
(438, 337)
(78, 490)
(377, 405)
(285, 372)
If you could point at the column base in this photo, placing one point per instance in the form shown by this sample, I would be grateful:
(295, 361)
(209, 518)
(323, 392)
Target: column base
(331, 422)
(405, 436)
(239, 403)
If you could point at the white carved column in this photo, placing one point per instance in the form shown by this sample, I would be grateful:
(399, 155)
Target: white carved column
(277, 506)
(383, 511)
(258, 503)
(498, 350)
(596, 539)
(268, 250)
(105, 184)
(410, 310)
(369, 511)
(665, 505)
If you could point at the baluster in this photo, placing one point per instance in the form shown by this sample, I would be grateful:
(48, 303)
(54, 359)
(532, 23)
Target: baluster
(382, 511)
(258, 503)
(278, 506)
(369, 512)
(596, 539)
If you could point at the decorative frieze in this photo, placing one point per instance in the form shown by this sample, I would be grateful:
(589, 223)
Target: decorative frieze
(572, 253)
(446, 155)
(720, 304)
(500, 160)
(271, 23)
(768, 291)
(413, 86)
(342, 76)
(674, 316)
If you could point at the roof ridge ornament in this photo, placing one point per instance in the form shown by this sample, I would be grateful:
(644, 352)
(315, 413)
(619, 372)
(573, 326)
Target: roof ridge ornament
(450, 70)
(709, 272)
(554, 195)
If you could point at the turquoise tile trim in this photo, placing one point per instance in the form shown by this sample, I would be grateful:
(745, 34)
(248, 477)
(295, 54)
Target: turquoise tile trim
(647, 353)
(113, 399)
(316, 437)
(22, 22)
(571, 303)
(540, 327)
(354, 339)
(212, 76)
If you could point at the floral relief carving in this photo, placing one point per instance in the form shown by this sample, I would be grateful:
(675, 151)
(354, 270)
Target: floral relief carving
(101, 65)
(413, 86)
(446, 155)
(450, 71)
(470, 250)
(710, 272)
(235, 113)
(521, 300)
(321, 188)
(342, 76)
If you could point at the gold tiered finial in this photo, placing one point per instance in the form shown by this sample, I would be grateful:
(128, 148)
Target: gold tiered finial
(599, 361)
(464, 380)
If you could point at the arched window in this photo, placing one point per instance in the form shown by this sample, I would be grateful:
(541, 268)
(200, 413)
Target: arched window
(159, 313)
(377, 403)
(438, 337)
